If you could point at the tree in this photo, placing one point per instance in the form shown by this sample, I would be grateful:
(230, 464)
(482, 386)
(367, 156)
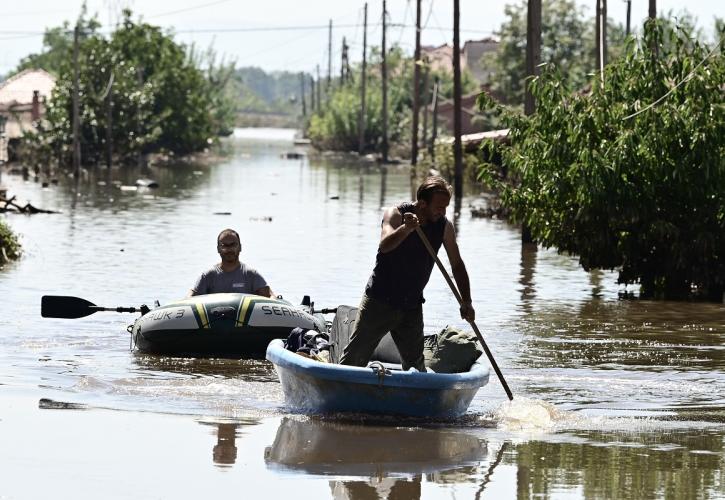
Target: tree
(162, 98)
(568, 41)
(630, 175)
(335, 126)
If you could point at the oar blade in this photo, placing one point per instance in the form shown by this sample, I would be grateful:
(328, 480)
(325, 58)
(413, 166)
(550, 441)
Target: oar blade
(60, 306)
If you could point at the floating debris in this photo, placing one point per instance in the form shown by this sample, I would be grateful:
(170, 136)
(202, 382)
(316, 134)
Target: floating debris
(147, 183)
(221, 213)
(49, 404)
(267, 218)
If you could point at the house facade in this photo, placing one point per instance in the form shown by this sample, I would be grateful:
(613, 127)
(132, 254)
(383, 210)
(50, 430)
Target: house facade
(22, 105)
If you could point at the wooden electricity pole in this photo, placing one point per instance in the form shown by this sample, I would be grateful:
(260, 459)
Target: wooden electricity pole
(343, 63)
(457, 146)
(384, 76)
(533, 51)
(302, 94)
(312, 94)
(629, 16)
(329, 59)
(533, 57)
(434, 126)
(653, 9)
(361, 119)
(319, 89)
(109, 123)
(76, 108)
(416, 97)
(601, 34)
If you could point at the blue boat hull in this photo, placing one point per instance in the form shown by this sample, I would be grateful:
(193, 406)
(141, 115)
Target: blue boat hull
(314, 387)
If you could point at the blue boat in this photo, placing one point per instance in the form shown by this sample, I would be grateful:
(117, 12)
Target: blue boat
(312, 386)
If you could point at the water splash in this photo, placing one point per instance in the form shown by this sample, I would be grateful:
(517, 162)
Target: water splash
(529, 415)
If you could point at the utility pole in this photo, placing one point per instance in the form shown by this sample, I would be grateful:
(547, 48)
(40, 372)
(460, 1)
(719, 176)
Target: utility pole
(533, 57)
(457, 146)
(426, 98)
(361, 120)
(302, 93)
(384, 76)
(319, 89)
(329, 58)
(533, 50)
(343, 62)
(653, 9)
(312, 94)
(109, 123)
(434, 126)
(629, 16)
(601, 33)
(76, 108)
(416, 98)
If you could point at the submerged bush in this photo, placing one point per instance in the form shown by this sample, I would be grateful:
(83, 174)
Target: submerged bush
(9, 244)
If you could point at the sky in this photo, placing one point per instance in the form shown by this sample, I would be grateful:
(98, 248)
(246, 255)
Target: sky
(292, 34)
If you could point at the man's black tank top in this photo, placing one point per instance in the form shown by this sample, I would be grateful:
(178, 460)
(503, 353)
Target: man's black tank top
(400, 275)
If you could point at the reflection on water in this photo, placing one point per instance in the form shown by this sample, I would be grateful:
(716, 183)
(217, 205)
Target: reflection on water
(391, 459)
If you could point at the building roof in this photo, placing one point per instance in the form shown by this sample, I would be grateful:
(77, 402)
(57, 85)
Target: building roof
(20, 87)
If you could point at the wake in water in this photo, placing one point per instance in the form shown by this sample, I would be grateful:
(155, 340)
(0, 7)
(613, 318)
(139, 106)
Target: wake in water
(525, 415)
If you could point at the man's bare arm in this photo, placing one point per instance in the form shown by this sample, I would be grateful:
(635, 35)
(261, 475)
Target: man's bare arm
(265, 291)
(396, 228)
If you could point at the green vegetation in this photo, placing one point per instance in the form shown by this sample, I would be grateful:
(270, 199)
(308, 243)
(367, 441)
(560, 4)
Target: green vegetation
(165, 96)
(9, 244)
(335, 125)
(631, 174)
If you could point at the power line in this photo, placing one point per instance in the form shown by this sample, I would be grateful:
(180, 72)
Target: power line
(187, 9)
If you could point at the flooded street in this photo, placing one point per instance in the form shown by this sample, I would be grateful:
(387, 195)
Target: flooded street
(613, 398)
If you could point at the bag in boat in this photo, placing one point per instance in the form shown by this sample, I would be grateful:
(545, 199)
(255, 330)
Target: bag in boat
(342, 327)
(451, 351)
(310, 343)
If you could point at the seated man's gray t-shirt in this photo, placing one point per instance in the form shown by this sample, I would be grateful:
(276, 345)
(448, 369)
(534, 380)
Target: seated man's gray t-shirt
(242, 280)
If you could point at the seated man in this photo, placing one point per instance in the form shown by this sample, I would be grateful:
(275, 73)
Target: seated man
(230, 275)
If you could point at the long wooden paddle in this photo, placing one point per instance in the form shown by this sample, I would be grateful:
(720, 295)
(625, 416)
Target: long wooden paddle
(432, 252)
(61, 306)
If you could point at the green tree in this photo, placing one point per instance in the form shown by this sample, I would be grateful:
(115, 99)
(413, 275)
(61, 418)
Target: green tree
(335, 126)
(162, 99)
(631, 175)
(9, 244)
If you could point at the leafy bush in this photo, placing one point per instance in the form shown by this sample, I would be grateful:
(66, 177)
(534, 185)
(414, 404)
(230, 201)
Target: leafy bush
(9, 244)
(641, 193)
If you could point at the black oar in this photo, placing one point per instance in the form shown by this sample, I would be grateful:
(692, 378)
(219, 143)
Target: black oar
(432, 252)
(60, 306)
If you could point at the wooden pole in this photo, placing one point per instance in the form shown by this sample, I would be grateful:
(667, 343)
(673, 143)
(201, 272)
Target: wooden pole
(329, 58)
(434, 127)
(652, 9)
(343, 62)
(426, 98)
(629, 16)
(312, 94)
(109, 123)
(416, 97)
(319, 89)
(302, 94)
(533, 50)
(605, 47)
(76, 108)
(384, 76)
(533, 57)
(457, 146)
(361, 119)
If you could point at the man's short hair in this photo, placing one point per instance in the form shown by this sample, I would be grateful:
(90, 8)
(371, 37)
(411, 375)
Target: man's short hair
(430, 186)
(228, 231)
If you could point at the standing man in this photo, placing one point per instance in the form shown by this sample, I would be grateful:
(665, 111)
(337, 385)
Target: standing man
(393, 299)
(230, 275)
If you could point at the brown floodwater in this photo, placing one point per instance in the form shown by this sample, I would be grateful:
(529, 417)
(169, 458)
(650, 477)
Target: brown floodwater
(614, 398)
